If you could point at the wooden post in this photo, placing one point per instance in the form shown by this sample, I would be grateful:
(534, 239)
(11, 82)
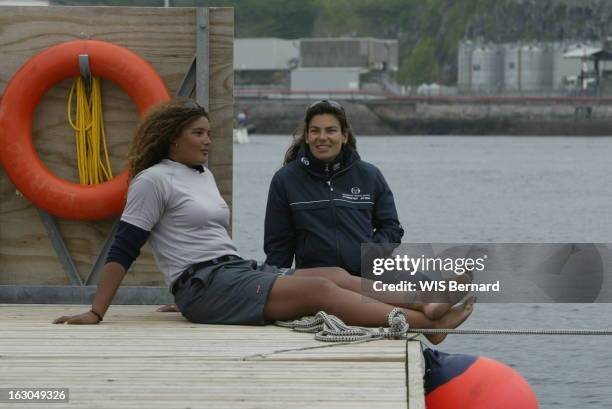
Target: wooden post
(221, 95)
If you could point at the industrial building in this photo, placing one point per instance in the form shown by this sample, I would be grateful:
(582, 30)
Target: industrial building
(313, 64)
(265, 62)
(366, 53)
(532, 68)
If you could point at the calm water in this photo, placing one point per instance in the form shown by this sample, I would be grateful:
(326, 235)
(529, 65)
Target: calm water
(486, 189)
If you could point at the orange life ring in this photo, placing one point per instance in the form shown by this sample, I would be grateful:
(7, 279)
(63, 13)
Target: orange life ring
(23, 93)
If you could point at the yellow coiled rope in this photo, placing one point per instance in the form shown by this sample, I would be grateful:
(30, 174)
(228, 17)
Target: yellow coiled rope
(89, 133)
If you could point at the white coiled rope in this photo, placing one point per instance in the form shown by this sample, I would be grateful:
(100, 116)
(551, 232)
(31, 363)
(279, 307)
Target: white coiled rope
(329, 328)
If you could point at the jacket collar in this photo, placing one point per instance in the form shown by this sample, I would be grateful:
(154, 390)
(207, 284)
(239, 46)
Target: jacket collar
(345, 159)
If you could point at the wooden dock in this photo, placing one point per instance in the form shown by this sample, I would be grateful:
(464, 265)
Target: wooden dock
(139, 358)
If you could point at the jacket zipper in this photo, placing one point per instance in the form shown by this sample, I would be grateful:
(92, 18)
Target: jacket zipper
(331, 200)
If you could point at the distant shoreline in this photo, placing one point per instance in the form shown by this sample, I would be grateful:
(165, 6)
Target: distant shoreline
(445, 116)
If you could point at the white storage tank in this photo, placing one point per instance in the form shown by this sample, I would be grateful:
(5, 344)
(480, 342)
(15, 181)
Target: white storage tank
(512, 65)
(534, 75)
(464, 64)
(487, 68)
(528, 68)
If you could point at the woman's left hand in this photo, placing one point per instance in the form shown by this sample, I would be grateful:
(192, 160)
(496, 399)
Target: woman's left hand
(86, 318)
(168, 308)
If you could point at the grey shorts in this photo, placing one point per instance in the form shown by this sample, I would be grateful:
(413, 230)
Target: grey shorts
(234, 292)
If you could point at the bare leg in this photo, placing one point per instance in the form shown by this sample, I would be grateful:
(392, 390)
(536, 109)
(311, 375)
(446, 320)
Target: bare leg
(349, 282)
(293, 297)
(353, 283)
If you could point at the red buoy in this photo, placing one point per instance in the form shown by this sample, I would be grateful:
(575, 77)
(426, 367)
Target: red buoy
(456, 381)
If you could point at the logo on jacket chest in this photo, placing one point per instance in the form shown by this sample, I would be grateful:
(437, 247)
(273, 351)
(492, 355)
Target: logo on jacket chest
(356, 195)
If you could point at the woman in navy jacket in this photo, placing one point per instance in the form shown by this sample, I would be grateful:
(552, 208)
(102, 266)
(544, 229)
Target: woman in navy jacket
(325, 201)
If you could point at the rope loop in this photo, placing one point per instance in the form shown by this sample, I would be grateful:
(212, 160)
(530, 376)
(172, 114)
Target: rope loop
(329, 328)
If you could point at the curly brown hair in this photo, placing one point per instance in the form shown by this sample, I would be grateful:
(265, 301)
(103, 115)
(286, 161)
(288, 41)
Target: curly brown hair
(318, 108)
(158, 129)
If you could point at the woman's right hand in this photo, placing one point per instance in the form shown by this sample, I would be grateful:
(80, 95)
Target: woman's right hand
(86, 318)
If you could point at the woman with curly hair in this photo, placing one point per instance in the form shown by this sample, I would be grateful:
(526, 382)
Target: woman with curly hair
(173, 201)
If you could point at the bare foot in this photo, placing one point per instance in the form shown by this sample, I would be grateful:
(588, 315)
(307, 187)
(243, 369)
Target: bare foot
(465, 278)
(452, 319)
(168, 308)
(435, 310)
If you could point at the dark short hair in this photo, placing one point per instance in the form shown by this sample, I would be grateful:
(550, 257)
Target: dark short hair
(324, 106)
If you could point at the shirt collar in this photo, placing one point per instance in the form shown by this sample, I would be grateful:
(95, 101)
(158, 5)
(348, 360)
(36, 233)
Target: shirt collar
(198, 168)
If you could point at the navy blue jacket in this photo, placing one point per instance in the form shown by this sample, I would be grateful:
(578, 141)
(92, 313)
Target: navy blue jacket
(321, 213)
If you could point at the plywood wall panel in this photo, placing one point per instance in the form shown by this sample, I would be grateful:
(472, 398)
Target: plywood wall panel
(166, 38)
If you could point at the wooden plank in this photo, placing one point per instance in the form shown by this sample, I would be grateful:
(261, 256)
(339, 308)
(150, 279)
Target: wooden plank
(138, 358)
(165, 37)
(136, 322)
(415, 371)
